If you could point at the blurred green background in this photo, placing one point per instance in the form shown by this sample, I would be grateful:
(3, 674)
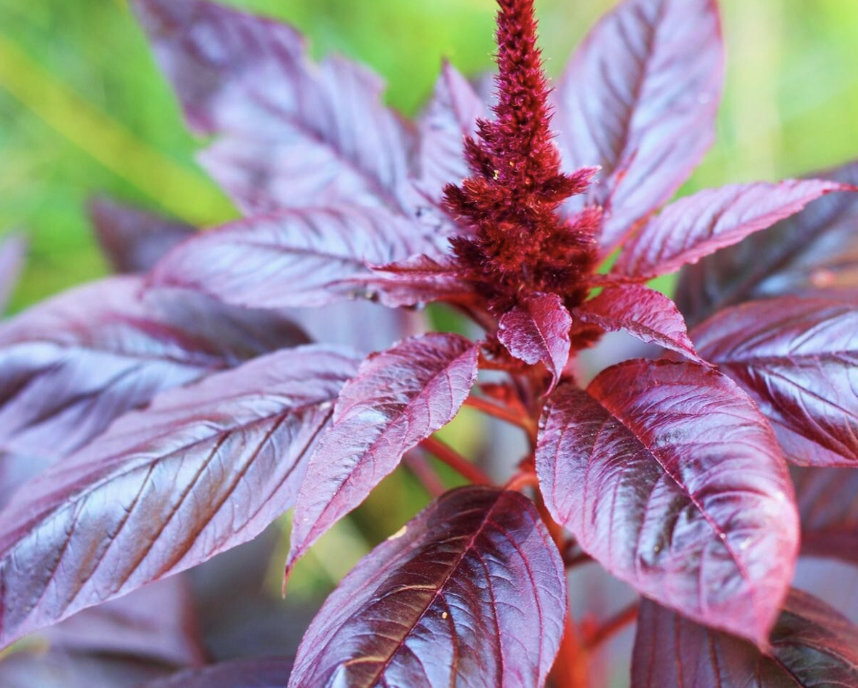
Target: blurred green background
(83, 108)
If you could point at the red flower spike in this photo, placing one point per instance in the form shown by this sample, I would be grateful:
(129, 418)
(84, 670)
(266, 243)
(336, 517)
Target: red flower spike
(512, 237)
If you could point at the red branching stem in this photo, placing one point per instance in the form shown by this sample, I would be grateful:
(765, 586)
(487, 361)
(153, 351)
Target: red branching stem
(570, 667)
(445, 453)
(427, 477)
(501, 412)
(522, 480)
(612, 626)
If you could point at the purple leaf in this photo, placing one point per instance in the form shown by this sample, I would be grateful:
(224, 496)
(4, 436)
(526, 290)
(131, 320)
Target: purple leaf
(812, 646)
(470, 593)
(203, 469)
(698, 225)
(643, 313)
(290, 133)
(669, 476)
(639, 99)
(13, 253)
(399, 398)
(798, 359)
(816, 249)
(450, 116)
(537, 331)
(300, 258)
(828, 504)
(417, 281)
(78, 361)
(243, 673)
(132, 239)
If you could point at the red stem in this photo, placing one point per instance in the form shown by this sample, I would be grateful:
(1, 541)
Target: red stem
(612, 626)
(420, 468)
(502, 413)
(522, 480)
(454, 460)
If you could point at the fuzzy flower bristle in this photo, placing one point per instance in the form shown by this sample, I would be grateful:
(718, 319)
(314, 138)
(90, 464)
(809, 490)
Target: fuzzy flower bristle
(515, 240)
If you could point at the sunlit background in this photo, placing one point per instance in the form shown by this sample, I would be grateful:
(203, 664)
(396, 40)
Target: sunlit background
(83, 110)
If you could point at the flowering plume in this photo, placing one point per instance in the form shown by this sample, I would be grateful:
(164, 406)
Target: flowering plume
(517, 244)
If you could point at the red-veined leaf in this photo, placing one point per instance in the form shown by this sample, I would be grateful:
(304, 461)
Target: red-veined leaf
(669, 476)
(417, 281)
(828, 504)
(76, 362)
(294, 258)
(398, 398)
(13, 251)
(537, 331)
(814, 250)
(202, 469)
(812, 646)
(698, 225)
(290, 133)
(643, 313)
(241, 673)
(470, 593)
(133, 239)
(798, 359)
(639, 99)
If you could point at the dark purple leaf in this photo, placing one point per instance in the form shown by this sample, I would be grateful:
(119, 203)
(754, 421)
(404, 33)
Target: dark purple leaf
(643, 313)
(828, 504)
(290, 133)
(133, 239)
(812, 646)
(203, 469)
(399, 398)
(76, 362)
(13, 252)
(243, 673)
(537, 331)
(639, 99)
(798, 359)
(294, 258)
(816, 249)
(470, 593)
(669, 476)
(417, 281)
(698, 225)
(450, 116)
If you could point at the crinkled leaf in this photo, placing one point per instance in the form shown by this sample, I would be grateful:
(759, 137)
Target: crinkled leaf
(816, 249)
(202, 469)
(828, 504)
(798, 359)
(132, 239)
(669, 476)
(241, 673)
(639, 99)
(698, 225)
(300, 258)
(450, 116)
(76, 362)
(399, 398)
(643, 313)
(812, 646)
(470, 593)
(13, 251)
(537, 331)
(290, 133)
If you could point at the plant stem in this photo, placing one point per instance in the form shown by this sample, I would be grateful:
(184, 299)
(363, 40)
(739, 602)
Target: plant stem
(570, 667)
(521, 480)
(428, 478)
(502, 413)
(612, 626)
(454, 460)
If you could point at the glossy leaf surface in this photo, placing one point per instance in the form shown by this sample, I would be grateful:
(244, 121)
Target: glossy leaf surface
(816, 249)
(643, 313)
(76, 362)
(203, 469)
(828, 503)
(132, 239)
(301, 258)
(290, 133)
(398, 398)
(698, 225)
(639, 98)
(812, 646)
(537, 331)
(470, 593)
(798, 358)
(242, 673)
(669, 476)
